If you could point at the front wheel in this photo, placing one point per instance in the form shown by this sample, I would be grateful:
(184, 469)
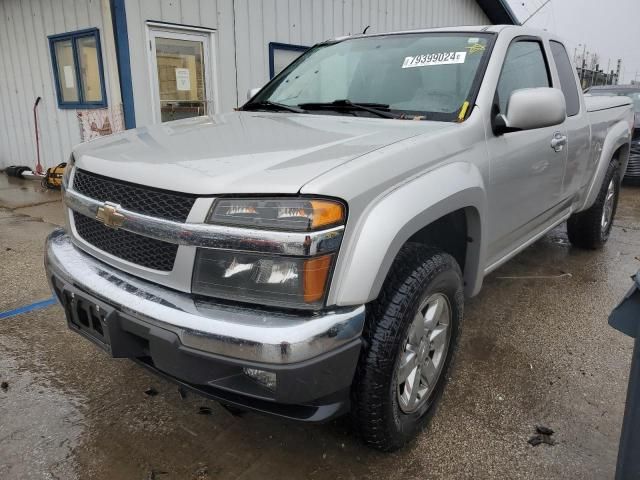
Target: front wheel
(410, 337)
(591, 229)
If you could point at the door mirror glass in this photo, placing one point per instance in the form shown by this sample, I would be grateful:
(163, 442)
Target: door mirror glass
(252, 92)
(531, 108)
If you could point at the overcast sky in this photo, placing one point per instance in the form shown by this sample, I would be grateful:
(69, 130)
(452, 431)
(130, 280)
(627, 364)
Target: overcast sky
(610, 28)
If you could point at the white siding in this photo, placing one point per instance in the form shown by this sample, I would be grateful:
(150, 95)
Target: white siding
(212, 14)
(306, 22)
(26, 73)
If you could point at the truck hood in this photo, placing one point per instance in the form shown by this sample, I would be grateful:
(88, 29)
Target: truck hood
(242, 152)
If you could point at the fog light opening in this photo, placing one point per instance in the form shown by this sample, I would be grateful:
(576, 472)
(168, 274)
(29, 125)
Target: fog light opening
(266, 379)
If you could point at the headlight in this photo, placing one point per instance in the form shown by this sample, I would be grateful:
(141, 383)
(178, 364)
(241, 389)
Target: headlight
(265, 278)
(292, 214)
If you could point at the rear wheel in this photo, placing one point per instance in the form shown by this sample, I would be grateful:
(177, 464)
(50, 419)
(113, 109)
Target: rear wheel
(591, 228)
(411, 334)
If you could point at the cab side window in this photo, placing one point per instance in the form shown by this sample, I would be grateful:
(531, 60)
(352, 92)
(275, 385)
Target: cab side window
(525, 66)
(567, 78)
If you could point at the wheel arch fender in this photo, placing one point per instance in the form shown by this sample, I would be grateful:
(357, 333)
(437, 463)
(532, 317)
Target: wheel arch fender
(372, 244)
(617, 137)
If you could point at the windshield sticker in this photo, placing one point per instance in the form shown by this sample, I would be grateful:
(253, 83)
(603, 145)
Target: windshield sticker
(473, 40)
(463, 111)
(444, 58)
(476, 48)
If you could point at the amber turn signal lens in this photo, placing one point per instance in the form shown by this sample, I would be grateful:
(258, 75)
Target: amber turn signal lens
(326, 212)
(295, 214)
(316, 273)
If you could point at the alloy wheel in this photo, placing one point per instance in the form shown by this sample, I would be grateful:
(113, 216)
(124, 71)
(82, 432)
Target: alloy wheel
(424, 353)
(607, 210)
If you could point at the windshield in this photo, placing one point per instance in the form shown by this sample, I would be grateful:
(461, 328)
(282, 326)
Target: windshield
(633, 95)
(418, 76)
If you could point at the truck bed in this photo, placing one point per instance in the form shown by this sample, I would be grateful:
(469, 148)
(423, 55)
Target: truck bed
(603, 113)
(600, 102)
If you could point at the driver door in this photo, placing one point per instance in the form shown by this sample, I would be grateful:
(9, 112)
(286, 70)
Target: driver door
(525, 191)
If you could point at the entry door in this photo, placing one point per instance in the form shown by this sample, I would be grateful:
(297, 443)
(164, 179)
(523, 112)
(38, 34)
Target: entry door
(525, 191)
(181, 73)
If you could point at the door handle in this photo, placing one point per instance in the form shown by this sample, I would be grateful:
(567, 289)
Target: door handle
(558, 141)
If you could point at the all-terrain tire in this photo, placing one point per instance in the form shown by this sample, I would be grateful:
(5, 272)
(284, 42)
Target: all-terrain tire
(417, 273)
(585, 228)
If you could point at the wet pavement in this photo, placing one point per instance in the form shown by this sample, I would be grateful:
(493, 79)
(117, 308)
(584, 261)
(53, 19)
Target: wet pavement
(535, 350)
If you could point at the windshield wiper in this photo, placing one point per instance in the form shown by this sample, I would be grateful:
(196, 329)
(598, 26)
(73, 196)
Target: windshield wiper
(379, 109)
(268, 104)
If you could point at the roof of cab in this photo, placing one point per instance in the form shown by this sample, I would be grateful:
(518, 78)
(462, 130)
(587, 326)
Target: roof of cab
(457, 29)
(497, 11)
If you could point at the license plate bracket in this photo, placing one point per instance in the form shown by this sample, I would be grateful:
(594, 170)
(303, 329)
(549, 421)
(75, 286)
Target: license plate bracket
(88, 317)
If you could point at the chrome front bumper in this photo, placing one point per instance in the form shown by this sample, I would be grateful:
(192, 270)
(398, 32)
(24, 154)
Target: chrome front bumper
(236, 332)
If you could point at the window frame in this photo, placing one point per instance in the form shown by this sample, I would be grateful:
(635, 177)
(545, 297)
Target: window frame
(573, 69)
(74, 36)
(545, 56)
(273, 46)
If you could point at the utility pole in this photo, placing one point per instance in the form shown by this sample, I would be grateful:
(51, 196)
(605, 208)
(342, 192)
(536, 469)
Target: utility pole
(584, 64)
(619, 71)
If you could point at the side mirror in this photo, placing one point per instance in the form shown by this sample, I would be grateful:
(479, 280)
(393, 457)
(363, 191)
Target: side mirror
(252, 92)
(531, 108)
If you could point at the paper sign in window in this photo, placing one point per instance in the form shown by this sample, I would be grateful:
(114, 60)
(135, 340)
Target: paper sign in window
(183, 81)
(68, 76)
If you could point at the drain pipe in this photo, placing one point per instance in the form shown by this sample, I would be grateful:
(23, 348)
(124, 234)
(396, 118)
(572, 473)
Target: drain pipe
(35, 121)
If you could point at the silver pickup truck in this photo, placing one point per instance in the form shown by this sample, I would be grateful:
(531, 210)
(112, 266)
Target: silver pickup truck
(309, 254)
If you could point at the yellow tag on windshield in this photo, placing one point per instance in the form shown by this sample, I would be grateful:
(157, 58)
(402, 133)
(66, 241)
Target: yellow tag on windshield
(476, 48)
(463, 111)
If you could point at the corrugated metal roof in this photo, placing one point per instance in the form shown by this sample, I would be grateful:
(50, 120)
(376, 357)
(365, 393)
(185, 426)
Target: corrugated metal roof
(499, 12)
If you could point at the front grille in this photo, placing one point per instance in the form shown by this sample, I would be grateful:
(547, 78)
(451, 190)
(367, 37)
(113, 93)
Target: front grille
(134, 248)
(137, 198)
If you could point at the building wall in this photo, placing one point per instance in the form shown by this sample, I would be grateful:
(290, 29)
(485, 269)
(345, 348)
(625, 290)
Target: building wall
(212, 14)
(26, 73)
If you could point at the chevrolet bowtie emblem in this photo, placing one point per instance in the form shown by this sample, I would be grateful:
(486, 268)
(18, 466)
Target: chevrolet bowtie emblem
(109, 215)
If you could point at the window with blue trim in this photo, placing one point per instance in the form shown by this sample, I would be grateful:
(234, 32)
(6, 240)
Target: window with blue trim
(77, 69)
(281, 55)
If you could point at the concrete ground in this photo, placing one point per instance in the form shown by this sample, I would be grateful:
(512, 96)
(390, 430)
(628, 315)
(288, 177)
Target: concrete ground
(535, 350)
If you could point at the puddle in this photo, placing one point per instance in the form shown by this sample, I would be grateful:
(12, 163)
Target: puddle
(40, 422)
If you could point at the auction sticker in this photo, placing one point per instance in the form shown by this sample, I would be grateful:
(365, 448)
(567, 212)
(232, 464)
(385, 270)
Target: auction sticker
(443, 58)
